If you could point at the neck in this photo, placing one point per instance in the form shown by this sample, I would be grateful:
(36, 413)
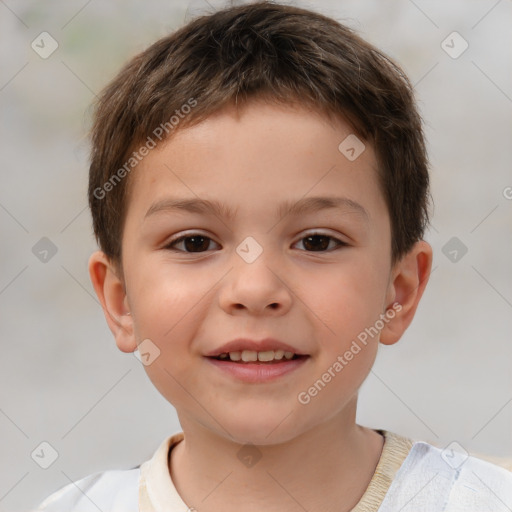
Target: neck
(327, 468)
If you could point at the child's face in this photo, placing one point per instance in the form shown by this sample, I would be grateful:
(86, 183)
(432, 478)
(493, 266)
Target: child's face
(311, 294)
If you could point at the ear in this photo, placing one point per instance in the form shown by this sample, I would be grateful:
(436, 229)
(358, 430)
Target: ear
(408, 280)
(111, 292)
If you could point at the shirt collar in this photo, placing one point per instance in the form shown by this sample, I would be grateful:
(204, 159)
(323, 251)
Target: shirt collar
(156, 489)
(157, 492)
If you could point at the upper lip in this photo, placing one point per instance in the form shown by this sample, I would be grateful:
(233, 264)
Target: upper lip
(241, 344)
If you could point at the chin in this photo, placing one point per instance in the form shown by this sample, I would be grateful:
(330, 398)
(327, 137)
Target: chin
(263, 429)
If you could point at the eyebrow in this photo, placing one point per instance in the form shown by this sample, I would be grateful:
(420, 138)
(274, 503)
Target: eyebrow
(302, 206)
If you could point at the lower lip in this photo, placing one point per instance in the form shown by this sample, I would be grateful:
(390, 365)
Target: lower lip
(258, 372)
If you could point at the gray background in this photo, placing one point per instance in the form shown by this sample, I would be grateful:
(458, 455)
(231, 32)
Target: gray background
(62, 378)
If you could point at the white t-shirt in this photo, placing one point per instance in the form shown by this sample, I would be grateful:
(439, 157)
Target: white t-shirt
(410, 477)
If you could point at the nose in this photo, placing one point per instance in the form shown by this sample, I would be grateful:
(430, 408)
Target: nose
(258, 288)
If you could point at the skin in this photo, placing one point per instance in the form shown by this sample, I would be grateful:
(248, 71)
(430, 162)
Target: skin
(313, 456)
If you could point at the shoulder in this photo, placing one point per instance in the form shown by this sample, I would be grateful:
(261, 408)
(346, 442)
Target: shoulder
(434, 479)
(114, 490)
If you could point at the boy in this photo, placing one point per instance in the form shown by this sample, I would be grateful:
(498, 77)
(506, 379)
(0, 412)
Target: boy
(261, 131)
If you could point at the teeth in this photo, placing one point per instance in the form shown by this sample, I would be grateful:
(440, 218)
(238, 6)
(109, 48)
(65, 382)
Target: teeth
(235, 356)
(278, 354)
(249, 355)
(266, 356)
(252, 355)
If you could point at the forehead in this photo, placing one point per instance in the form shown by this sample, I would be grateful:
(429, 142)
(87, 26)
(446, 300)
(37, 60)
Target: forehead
(259, 153)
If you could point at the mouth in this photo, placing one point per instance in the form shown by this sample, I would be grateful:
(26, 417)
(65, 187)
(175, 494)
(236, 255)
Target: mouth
(258, 367)
(258, 357)
(255, 362)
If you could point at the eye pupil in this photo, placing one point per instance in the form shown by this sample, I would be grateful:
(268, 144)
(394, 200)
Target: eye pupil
(316, 247)
(194, 245)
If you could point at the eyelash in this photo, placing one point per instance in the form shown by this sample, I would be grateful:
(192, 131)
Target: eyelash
(169, 246)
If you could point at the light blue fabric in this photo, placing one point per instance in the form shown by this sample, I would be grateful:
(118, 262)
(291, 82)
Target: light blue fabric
(108, 491)
(426, 482)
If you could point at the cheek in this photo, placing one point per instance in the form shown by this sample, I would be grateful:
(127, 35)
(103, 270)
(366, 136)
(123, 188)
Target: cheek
(164, 300)
(168, 305)
(171, 324)
(344, 306)
(167, 312)
(344, 300)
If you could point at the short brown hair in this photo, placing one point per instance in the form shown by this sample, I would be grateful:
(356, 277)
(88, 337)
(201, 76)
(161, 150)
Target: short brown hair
(283, 54)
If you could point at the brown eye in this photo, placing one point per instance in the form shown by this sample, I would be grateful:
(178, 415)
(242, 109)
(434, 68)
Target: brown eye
(319, 242)
(191, 243)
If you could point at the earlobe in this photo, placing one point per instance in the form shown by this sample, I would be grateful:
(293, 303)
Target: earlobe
(111, 293)
(409, 279)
